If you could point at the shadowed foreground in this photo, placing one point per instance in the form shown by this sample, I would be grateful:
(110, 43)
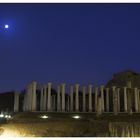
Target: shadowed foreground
(63, 125)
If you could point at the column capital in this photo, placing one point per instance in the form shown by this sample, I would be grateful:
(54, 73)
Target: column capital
(49, 83)
(90, 88)
(96, 88)
(90, 85)
(107, 89)
(118, 89)
(15, 92)
(34, 82)
(77, 85)
(71, 86)
(125, 87)
(113, 88)
(102, 86)
(129, 84)
(63, 84)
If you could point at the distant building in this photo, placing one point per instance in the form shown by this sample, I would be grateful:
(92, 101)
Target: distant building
(121, 79)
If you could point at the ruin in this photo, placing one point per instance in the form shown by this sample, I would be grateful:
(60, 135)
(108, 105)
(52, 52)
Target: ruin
(80, 98)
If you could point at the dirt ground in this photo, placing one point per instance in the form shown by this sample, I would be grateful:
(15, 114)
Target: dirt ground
(61, 125)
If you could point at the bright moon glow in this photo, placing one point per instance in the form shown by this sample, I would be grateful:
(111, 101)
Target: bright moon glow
(6, 26)
(76, 117)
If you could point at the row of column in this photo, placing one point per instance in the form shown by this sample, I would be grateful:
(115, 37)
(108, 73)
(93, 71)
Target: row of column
(46, 94)
(101, 99)
(30, 97)
(45, 97)
(75, 89)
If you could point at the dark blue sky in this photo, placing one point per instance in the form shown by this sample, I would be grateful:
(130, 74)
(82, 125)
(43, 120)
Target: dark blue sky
(84, 43)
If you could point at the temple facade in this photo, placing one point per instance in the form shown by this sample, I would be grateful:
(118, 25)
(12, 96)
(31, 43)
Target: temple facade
(79, 98)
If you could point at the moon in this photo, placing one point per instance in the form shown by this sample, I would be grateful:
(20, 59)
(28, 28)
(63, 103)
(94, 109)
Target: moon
(6, 26)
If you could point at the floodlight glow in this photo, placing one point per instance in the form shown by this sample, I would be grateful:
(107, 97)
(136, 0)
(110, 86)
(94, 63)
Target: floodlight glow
(9, 116)
(1, 115)
(76, 117)
(6, 116)
(6, 26)
(44, 117)
(10, 133)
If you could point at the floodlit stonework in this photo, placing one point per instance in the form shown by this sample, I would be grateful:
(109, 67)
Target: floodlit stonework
(80, 98)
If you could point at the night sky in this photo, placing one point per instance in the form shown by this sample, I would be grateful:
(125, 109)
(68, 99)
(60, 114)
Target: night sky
(84, 43)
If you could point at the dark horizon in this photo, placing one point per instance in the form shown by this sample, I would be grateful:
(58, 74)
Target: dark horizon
(71, 43)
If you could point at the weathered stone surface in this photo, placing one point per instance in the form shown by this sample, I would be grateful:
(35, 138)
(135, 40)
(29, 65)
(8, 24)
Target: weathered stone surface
(120, 79)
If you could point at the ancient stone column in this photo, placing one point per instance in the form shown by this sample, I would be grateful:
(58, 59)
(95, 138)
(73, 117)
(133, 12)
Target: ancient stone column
(129, 84)
(115, 108)
(90, 97)
(49, 97)
(96, 98)
(77, 98)
(16, 102)
(99, 106)
(107, 99)
(41, 99)
(53, 102)
(136, 99)
(44, 98)
(25, 103)
(28, 98)
(23, 106)
(58, 98)
(138, 93)
(68, 104)
(102, 98)
(84, 98)
(34, 84)
(118, 95)
(63, 97)
(71, 98)
(125, 99)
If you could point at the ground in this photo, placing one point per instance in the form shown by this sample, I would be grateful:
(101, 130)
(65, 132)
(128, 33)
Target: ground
(63, 124)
